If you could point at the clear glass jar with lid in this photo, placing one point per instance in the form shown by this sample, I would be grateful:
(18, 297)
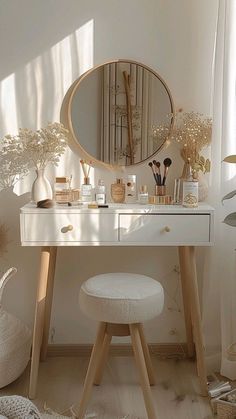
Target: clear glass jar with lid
(62, 189)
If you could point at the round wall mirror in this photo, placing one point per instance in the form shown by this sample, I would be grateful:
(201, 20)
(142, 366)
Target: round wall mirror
(119, 113)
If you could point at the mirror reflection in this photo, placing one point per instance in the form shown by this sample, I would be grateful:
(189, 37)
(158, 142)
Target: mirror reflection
(121, 113)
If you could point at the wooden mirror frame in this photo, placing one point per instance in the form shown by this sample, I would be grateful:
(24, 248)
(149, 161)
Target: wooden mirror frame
(66, 112)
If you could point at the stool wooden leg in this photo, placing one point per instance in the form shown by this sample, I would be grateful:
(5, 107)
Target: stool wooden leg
(79, 409)
(146, 354)
(139, 357)
(103, 357)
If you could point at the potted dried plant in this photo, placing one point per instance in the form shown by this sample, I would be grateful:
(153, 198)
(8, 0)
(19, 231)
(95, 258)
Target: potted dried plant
(193, 132)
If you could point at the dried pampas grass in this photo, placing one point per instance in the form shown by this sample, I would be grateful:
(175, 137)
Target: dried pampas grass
(3, 239)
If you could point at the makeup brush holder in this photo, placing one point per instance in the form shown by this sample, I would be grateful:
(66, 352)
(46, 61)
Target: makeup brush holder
(160, 190)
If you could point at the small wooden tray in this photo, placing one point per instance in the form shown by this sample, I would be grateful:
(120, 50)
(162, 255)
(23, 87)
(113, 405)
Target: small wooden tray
(160, 199)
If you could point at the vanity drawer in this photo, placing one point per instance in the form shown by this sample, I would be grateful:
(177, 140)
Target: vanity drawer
(173, 229)
(64, 227)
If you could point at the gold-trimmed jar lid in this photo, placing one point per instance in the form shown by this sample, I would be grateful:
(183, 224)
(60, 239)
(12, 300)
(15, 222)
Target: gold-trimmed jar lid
(62, 179)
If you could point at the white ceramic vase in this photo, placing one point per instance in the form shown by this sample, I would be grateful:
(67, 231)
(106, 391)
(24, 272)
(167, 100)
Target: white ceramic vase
(41, 188)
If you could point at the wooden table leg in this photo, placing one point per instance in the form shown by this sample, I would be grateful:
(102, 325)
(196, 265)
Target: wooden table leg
(48, 306)
(39, 319)
(190, 263)
(183, 258)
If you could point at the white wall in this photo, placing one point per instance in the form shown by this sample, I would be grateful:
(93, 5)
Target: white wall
(44, 47)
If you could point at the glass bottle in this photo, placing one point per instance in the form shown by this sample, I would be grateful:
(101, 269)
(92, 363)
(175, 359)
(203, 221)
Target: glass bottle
(131, 191)
(100, 195)
(143, 195)
(190, 189)
(118, 191)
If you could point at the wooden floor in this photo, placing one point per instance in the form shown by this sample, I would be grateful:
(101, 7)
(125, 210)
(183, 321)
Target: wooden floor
(176, 394)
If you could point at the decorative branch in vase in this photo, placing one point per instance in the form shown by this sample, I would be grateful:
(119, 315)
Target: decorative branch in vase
(127, 83)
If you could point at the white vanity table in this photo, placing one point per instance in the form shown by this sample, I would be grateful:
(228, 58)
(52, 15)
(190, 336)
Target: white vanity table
(118, 225)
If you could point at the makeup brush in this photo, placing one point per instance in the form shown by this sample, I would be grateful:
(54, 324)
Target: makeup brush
(167, 162)
(154, 175)
(157, 171)
(158, 164)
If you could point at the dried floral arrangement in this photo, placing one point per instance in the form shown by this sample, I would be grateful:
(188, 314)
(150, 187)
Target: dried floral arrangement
(193, 132)
(45, 145)
(29, 149)
(13, 161)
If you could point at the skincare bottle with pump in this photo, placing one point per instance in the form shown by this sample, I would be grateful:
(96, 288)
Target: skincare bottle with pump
(118, 191)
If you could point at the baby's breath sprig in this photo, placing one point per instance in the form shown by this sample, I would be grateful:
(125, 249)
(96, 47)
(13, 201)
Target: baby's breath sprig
(30, 149)
(45, 145)
(193, 132)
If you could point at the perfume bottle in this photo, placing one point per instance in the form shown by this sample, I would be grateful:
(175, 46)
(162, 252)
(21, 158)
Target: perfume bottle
(143, 195)
(86, 190)
(118, 191)
(100, 195)
(190, 189)
(130, 191)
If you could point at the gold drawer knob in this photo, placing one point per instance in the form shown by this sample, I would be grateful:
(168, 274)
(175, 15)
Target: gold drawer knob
(67, 228)
(167, 229)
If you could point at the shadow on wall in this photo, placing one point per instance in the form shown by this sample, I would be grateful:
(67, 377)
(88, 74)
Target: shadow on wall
(31, 97)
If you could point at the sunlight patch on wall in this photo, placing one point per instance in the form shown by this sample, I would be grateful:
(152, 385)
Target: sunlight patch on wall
(32, 96)
(45, 81)
(85, 46)
(8, 105)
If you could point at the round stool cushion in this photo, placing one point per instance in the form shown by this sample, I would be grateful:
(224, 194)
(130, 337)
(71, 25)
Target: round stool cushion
(121, 298)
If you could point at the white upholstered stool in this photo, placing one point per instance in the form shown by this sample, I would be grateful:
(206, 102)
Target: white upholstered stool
(120, 302)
